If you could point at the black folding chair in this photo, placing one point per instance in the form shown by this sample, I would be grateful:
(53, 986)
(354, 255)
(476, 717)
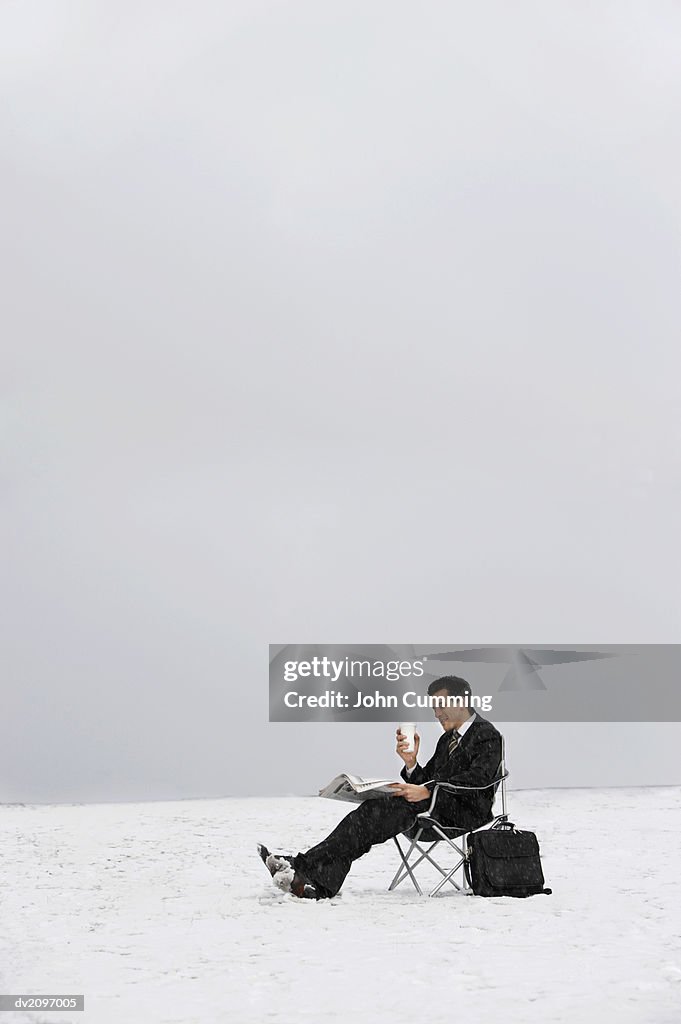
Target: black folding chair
(429, 830)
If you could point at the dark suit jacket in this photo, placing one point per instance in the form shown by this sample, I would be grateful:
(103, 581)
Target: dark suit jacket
(475, 762)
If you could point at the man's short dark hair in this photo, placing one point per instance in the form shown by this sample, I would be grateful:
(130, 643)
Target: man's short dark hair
(454, 685)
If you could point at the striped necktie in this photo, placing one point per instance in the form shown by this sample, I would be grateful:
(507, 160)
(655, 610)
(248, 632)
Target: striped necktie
(454, 742)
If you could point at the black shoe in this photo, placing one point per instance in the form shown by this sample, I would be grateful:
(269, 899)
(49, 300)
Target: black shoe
(264, 852)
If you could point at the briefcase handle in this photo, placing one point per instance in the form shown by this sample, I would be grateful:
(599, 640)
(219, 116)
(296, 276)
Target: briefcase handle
(505, 825)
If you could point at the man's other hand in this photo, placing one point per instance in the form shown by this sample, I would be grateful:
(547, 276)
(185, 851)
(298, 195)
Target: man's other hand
(402, 742)
(411, 793)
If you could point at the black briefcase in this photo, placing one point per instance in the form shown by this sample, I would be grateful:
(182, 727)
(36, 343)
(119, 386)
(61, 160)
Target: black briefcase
(504, 861)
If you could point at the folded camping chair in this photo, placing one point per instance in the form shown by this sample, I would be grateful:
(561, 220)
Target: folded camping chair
(429, 830)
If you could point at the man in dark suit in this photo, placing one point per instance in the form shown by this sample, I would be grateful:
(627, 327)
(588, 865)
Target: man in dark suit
(468, 754)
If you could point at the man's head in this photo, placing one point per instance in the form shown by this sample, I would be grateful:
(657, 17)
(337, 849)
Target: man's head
(450, 717)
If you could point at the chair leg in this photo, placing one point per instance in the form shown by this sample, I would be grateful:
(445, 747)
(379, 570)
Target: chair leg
(425, 855)
(449, 875)
(407, 869)
(464, 853)
(400, 876)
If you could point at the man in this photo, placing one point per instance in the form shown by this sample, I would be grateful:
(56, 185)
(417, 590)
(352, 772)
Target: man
(468, 754)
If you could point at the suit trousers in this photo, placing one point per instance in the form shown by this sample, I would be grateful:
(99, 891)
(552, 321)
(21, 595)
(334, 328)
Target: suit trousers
(374, 821)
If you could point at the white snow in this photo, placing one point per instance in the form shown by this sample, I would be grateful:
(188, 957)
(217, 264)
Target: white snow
(165, 913)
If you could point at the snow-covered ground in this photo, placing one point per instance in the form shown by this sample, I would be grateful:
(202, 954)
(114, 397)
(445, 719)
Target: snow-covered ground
(164, 913)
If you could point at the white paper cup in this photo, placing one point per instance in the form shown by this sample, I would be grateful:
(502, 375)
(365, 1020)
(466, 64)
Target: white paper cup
(408, 729)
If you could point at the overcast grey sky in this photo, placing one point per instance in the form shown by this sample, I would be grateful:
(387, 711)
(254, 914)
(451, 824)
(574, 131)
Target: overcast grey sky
(327, 322)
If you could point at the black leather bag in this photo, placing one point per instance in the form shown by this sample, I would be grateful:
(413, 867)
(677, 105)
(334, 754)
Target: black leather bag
(504, 861)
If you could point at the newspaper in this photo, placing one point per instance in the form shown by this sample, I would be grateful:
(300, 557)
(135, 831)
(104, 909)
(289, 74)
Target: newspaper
(355, 789)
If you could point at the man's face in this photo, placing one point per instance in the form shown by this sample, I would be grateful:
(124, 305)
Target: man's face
(447, 717)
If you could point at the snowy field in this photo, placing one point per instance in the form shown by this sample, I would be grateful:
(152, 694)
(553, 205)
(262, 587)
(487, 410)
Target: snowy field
(163, 914)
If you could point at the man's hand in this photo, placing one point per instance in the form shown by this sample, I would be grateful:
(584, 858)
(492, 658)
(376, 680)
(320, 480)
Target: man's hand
(410, 793)
(402, 742)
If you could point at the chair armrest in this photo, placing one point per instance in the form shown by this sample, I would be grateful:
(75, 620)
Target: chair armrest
(449, 786)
